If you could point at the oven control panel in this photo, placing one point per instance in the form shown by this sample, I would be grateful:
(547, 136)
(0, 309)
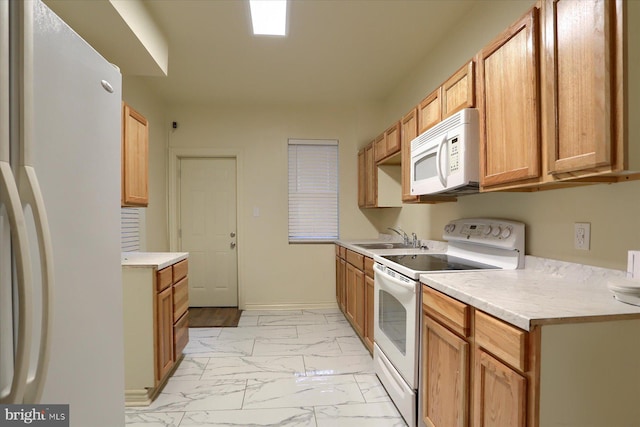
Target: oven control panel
(500, 233)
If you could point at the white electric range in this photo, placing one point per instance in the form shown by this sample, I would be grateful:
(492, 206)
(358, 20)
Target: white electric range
(473, 244)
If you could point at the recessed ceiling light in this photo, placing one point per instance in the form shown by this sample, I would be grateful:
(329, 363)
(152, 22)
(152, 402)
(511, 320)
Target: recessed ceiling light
(269, 17)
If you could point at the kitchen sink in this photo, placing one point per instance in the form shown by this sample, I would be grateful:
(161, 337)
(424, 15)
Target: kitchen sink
(381, 245)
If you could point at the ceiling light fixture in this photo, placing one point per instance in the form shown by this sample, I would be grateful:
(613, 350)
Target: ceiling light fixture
(269, 17)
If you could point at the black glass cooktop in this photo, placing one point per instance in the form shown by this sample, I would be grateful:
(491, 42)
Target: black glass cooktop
(436, 262)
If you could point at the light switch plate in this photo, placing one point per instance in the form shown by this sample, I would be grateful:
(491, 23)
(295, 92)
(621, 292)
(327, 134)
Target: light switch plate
(633, 265)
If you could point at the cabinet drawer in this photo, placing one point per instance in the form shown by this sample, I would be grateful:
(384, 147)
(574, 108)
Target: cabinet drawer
(368, 266)
(180, 298)
(180, 270)
(452, 313)
(164, 279)
(180, 334)
(355, 259)
(503, 340)
(343, 252)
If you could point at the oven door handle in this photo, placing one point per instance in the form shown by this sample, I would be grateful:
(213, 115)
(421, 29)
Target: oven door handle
(409, 288)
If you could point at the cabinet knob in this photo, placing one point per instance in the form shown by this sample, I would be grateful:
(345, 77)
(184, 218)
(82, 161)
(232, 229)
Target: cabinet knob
(233, 245)
(233, 234)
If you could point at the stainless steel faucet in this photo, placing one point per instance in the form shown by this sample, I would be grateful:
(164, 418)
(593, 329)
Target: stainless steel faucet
(401, 233)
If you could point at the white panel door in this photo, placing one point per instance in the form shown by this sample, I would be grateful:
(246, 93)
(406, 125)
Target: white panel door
(208, 230)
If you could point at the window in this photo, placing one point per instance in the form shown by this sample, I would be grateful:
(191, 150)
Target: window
(313, 190)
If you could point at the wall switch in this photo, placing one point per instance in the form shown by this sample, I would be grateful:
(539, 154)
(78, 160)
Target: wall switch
(582, 235)
(633, 265)
(256, 212)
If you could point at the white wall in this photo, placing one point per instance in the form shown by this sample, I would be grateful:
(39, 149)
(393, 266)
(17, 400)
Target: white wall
(272, 271)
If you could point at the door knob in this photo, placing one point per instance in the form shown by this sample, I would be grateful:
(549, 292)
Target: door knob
(233, 245)
(233, 234)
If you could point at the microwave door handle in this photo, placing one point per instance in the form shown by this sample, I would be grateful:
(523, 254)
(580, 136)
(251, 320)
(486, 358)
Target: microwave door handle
(441, 177)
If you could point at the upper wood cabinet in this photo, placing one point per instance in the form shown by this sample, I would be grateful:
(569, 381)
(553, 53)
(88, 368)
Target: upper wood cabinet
(459, 91)
(408, 131)
(362, 180)
(430, 110)
(135, 158)
(371, 176)
(388, 143)
(456, 93)
(583, 64)
(508, 103)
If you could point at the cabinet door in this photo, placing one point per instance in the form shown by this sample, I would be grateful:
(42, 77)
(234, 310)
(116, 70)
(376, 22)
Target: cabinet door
(499, 394)
(392, 140)
(429, 110)
(380, 148)
(341, 291)
(458, 91)
(164, 332)
(368, 315)
(445, 379)
(135, 158)
(359, 324)
(371, 177)
(580, 43)
(408, 132)
(509, 105)
(362, 180)
(350, 281)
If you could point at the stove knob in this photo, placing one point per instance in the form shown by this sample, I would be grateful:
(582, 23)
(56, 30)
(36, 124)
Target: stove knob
(506, 233)
(487, 230)
(496, 231)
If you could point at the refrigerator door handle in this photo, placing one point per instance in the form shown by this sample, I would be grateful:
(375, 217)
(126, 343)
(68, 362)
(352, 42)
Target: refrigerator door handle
(30, 194)
(19, 242)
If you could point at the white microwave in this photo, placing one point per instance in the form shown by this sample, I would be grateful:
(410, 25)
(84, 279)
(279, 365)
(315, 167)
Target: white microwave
(445, 157)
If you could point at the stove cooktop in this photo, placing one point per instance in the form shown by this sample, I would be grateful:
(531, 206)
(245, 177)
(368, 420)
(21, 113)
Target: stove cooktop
(436, 262)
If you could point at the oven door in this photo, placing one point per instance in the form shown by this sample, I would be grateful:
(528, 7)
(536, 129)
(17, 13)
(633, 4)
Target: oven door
(396, 328)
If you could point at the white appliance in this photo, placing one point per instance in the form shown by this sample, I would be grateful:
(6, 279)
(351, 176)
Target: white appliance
(445, 157)
(473, 244)
(61, 327)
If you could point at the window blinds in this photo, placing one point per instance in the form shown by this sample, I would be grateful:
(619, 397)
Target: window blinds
(313, 190)
(129, 229)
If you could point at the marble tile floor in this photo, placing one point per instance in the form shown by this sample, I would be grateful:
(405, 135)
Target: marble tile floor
(277, 368)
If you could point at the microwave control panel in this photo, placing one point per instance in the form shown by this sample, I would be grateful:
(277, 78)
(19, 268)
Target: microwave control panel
(454, 155)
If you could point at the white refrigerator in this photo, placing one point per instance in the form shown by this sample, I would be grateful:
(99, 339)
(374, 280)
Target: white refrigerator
(61, 327)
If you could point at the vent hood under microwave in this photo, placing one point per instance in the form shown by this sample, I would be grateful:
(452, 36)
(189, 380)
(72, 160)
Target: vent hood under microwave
(445, 158)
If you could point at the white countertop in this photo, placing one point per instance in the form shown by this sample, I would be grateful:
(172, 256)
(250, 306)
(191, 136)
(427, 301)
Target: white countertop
(544, 292)
(432, 246)
(159, 260)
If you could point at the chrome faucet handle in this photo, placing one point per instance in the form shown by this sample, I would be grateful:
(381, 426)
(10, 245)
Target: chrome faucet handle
(401, 233)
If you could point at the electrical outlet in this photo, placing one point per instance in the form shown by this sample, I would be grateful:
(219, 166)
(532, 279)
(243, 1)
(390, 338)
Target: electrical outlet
(582, 235)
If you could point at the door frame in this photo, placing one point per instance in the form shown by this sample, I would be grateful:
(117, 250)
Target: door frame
(175, 155)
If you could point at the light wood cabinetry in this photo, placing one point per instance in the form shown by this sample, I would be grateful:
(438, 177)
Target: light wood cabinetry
(355, 291)
(480, 371)
(362, 178)
(156, 327)
(135, 158)
(378, 183)
(388, 144)
(456, 93)
(555, 98)
(583, 39)
(341, 277)
(408, 132)
(509, 105)
(459, 90)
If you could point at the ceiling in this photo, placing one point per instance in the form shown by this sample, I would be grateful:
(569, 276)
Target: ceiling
(336, 51)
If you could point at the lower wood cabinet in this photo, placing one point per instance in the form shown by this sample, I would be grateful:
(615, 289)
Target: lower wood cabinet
(355, 291)
(477, 370)
(156, 326)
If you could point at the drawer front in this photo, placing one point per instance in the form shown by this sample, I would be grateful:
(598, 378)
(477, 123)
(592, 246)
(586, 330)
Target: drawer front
(368, 266)
(180, 298)
(180, 270)
(503, 340)
(180, 335)
(454, 314)
(343, 252)
(164, 279)
(355, 259)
